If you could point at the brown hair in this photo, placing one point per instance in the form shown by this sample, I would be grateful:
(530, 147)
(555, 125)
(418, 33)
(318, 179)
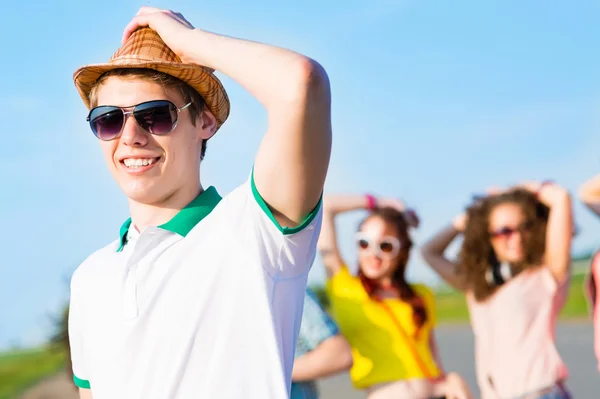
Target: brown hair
(407, 293)
(477, 254)
(165, 80)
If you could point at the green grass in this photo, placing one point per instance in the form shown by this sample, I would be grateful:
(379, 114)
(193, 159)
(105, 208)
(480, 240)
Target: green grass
(21, 369)
(452, 307)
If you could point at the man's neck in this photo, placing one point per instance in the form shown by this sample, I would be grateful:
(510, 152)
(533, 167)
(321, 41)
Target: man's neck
(154, 214)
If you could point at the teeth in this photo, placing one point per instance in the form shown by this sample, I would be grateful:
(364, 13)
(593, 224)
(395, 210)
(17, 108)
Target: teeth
(137, 162)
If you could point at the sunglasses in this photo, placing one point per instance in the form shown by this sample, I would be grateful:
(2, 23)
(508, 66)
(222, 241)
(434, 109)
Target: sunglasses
(387, 247)
(506, 232)
(158, 117)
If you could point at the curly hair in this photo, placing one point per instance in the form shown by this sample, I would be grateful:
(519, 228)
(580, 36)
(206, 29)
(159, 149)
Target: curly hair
(407, 293)
(476, 254)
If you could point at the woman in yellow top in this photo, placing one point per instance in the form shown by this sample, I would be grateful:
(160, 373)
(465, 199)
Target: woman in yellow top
(388, 322)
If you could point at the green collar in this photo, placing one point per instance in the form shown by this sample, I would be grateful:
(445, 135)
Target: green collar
(186, 219)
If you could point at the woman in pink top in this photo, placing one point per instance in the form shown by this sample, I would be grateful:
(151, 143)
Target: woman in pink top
(514, 269)
(590, 195)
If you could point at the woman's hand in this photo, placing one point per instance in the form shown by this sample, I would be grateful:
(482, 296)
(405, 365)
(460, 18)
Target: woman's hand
(411, 218)
(457, 387)
(460, 222)
(410, 215)
(393, 203)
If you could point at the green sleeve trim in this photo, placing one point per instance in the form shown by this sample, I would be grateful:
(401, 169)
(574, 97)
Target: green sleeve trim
(81, 383)
(285, 230)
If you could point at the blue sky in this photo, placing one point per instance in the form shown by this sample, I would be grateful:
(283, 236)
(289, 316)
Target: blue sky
(432, 101)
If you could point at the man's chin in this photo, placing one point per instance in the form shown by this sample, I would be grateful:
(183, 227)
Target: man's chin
(140, 194)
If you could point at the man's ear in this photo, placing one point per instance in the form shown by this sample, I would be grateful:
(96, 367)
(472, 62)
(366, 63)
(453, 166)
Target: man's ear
(208, 124)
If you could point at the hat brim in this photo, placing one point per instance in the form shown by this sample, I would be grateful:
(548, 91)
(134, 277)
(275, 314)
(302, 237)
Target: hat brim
(205, 83)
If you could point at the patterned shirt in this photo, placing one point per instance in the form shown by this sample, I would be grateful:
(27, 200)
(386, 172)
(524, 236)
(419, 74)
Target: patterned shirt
(316, 327)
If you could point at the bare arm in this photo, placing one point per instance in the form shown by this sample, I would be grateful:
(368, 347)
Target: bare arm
(590, 287)
(559, 231)
(293, 158)
(435, 351)
(85, 393)
(332, 356)
(589, 193)
(433, 253)
(328, 244)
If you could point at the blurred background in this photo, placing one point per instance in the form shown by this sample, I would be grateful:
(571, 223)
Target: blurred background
(432, 103)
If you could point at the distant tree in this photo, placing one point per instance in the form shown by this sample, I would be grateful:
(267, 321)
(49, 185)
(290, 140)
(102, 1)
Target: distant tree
(60, 339)
(584, 255)
(15, 344)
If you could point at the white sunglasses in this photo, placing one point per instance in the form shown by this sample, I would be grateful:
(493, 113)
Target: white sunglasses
(388, 247)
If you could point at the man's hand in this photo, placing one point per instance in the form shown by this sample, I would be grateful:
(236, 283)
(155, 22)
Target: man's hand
(171, 26)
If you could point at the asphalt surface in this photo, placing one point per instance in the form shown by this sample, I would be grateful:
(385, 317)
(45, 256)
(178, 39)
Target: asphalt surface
(575, 344)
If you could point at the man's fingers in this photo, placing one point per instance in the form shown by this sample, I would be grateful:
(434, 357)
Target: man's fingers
(147, 10)
(139, 21)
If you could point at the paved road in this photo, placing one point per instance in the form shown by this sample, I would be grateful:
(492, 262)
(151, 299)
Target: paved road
(575, 343)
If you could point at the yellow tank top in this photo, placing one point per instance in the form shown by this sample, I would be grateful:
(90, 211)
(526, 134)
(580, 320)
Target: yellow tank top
(381, 353)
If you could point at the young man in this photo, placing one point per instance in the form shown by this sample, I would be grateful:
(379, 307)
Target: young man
(201, 296)
(321, 351)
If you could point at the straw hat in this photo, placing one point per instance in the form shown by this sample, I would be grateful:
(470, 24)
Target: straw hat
(145, 49)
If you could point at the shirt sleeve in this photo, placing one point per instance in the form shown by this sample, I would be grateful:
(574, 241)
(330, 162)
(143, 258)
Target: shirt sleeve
(76, 347)
(344, 285)
(284, 252)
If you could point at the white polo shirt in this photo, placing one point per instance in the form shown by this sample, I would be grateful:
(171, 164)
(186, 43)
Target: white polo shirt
(207, 305)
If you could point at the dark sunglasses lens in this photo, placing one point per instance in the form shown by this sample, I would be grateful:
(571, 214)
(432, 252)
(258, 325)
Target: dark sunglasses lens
(386, 247)
(504, 232)
(156, 117)
(106, 122)
(363, 244)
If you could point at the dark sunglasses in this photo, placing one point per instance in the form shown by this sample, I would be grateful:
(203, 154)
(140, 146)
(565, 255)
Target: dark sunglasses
(157, 117)
(506, 232)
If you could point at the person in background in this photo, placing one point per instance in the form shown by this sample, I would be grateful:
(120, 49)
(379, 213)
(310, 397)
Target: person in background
(388, 322)
(321, 351)
(514, 268)
(589, 193)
